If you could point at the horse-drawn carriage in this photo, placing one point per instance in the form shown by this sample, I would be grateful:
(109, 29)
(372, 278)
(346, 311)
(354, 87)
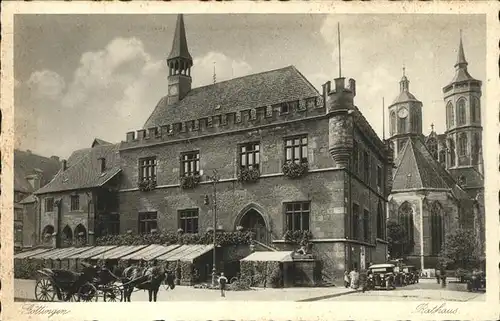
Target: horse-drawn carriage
(64, 285)
(94, 282)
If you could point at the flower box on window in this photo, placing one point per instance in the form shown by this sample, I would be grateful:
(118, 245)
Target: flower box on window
(146, 185)
(294, 170)
(299, 237)
(248, 174)
(190, 181)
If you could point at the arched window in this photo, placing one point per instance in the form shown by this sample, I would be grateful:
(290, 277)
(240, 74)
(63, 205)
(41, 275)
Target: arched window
(432, 146)
(405, 214)
(393, 123)
(380, 221)
(475, 110)
(476, 148)
(437, 228)
(450, 115)
(451, 150)
(461, 112)
(81, 234)
(462, 144)
(442, 156)
(402, 125)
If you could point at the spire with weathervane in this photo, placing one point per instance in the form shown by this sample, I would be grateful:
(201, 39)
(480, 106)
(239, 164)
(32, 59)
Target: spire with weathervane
(179, 65)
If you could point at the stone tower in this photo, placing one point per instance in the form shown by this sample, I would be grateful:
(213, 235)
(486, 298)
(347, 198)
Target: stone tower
(179, 65)
(405, 116)
(463, 118)
(340, 108)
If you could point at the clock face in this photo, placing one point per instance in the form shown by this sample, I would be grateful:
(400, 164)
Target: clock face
(403, 113)
(173, 90)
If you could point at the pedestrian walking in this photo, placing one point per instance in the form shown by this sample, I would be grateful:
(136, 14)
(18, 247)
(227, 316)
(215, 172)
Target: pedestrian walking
(354, 275)
(222, 284)
(346, 279)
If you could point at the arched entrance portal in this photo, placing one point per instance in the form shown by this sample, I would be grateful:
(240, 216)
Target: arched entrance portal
(253, 221)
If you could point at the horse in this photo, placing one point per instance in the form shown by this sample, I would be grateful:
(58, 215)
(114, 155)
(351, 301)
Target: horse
(145, 278)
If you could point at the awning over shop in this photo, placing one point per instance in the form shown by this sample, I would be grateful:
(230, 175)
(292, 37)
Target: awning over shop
(185, 253)
(118, 252)
(49, 254)
(29, 254)
(270, 256)
(91, 252)
(69, 252)
(150, 252)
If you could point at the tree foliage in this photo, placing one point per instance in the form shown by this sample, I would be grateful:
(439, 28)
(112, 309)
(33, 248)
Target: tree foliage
(460, 250)
(397, 238)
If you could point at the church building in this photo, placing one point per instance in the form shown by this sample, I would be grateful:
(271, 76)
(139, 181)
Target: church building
(438, 182)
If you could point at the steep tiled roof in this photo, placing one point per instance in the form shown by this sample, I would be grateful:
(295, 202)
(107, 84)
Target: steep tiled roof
(473, 179)
(84, 170)
(404, 96)
(257, 90)
(27, 163)
(417, 169)
(99, 141)
(179, 45)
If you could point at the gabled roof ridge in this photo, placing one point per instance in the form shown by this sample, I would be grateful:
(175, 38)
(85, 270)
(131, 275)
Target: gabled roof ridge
(431, 161)
(249, 75)
(412, 154)
(304, 78)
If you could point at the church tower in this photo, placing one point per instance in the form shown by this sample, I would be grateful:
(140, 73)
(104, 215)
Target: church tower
(463, 118)
(405, 116)
(179, 65)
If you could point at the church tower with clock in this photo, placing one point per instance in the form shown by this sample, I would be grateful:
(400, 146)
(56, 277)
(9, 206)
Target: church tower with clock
(179, 65)
(405, 116)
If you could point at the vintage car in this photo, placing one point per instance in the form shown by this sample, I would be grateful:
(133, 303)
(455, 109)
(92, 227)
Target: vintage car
(411, 274)
(381, 276)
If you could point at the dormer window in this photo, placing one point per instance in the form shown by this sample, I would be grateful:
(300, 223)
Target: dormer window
(102, 164)
(284, 108)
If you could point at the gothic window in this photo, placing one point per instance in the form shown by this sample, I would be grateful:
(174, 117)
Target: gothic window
(402, 125)
(475, 110)
(437, 228)
(406, 220)
(461, 112)
(451, 150)
(190, 163)
(297, 216)
(355, 221)
(476, 149)
(393, 123)
(380, 221)
(414, 120)
(433, 148)
(296, 149)
(450, 115)
(250, 155)
(462, 144)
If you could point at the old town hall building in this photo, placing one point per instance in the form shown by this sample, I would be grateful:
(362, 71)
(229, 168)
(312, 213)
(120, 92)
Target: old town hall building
(438, 180)
(288, 158)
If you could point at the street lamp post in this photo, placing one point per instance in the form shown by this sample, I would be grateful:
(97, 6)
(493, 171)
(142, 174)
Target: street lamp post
(215, 179)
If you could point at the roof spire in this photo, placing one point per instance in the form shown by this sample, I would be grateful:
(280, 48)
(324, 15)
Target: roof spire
(179, 44)
(404, 84)
(461, 62)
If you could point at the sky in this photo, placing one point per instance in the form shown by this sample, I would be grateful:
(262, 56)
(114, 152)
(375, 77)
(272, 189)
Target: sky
(78, 77)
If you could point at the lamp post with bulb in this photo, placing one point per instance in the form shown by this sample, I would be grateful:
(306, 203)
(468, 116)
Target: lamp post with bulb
(215, 179)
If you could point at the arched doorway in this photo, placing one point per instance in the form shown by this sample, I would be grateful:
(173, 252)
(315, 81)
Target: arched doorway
(253, 221)
(81, 234)
(67, 236)
(47, 233)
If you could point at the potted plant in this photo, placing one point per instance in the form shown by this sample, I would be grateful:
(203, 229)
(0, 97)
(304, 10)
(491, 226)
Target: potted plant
(146, 185)
(190, 181)
(292, 169)
(248, 174)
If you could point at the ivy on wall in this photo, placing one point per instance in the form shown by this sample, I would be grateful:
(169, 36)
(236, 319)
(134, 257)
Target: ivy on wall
(190, 181)
(249, 175)
(294, 170)
(146, 185)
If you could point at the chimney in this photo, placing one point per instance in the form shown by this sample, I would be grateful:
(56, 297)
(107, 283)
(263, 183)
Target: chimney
(64, 165)
(130, 136)
(102, 164)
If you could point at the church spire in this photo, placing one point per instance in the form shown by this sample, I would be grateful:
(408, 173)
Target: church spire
(404, 84)
(179, 45)
(461, 62)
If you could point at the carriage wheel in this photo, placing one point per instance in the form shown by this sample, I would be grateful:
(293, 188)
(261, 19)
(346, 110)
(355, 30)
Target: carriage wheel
(113, 294)
(87, 293)
(45, 290)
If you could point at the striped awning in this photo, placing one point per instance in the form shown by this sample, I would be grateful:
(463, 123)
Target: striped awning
(270, 256)
(92, 251)
(118, 252)
(29, 254)
(185, 253)
(150, 252)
